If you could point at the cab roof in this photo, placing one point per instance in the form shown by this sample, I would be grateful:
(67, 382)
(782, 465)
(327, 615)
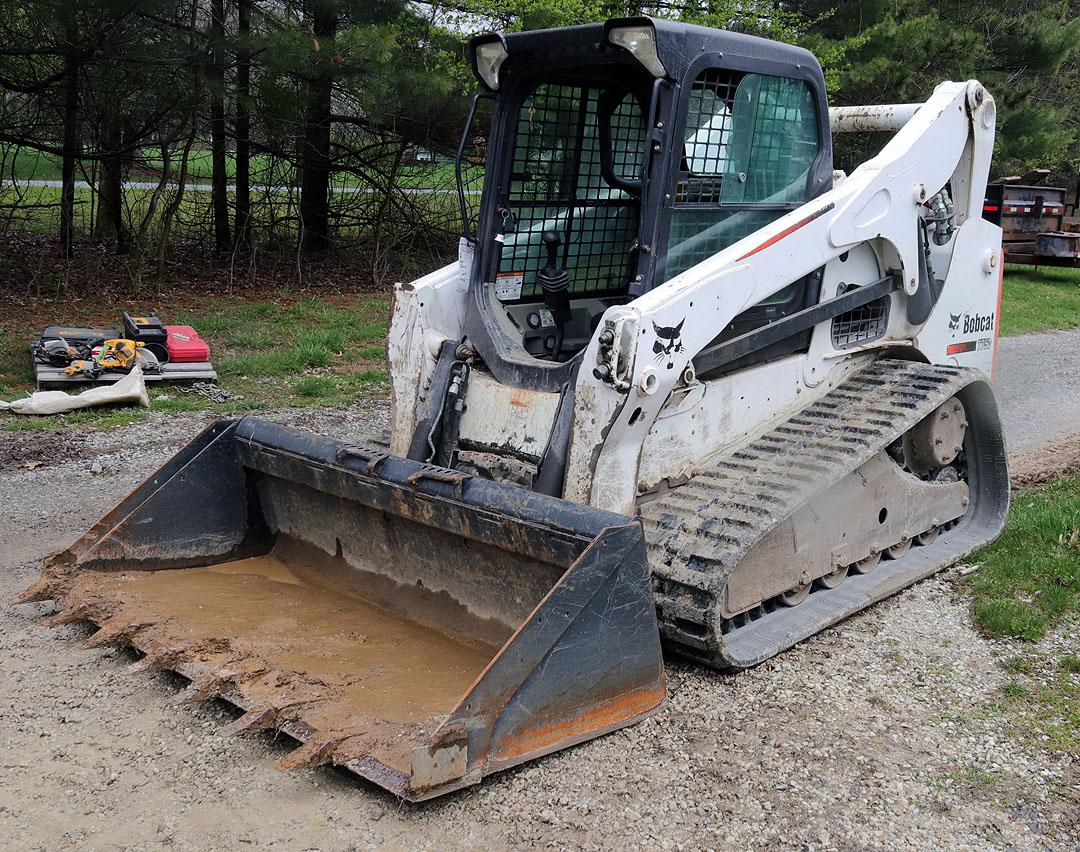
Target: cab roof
(678, 46)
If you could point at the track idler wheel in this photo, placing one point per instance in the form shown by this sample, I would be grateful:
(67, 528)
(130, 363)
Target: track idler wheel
(868, 564)
(937, 439)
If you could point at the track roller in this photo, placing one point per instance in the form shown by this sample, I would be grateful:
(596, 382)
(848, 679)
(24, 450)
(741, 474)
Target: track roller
(897, 550)
(833, 578)
(868, 564)
(796, 595)
(928, 537)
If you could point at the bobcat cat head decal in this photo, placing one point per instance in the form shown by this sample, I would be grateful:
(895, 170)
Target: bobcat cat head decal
(668, 342)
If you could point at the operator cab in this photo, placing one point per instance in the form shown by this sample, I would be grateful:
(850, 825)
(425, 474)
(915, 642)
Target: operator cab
(589, 198)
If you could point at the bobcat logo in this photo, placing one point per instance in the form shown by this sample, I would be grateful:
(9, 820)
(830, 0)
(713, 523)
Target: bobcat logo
(954, 321)
(668, 342)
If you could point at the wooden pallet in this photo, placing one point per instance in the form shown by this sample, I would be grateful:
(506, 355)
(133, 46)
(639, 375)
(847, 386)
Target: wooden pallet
(202, 371)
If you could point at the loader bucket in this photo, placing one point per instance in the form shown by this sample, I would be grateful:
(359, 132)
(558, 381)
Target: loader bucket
(415, 625)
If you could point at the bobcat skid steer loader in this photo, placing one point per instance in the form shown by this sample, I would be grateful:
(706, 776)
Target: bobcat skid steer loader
(685, 386)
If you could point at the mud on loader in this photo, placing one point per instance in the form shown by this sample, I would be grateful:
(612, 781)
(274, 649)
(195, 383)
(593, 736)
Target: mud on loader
(686, 386)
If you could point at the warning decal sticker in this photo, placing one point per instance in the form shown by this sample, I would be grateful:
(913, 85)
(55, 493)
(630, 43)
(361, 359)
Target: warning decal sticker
(508, 285)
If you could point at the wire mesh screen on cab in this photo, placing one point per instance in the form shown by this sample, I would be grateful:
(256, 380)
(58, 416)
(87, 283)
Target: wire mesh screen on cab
(558, 183)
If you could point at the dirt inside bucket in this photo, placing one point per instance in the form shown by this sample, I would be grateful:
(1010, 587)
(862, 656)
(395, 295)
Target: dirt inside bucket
(361, 680)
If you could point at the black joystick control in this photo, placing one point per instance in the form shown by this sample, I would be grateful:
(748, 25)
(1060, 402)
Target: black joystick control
(554, 281)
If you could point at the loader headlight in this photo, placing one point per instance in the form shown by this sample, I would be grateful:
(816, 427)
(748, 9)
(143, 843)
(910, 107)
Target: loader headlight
(640, 40)
(489, 58)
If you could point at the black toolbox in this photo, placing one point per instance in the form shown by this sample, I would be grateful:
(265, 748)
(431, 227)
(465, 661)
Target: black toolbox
(149, 331)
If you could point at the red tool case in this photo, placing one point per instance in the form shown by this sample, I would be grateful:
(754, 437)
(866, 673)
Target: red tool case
(185, 346)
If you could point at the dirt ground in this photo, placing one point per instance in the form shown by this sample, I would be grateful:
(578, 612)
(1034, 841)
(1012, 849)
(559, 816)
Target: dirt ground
(882, 733)
(1045, 464)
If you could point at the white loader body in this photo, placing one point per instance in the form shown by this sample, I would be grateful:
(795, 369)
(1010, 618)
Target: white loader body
(661, 424)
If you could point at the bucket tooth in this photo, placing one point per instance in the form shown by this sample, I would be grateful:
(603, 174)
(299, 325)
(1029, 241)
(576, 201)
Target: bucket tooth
(315, 752)
(155, 661)
(42, 589)
(83, 611)
(115, 632)
(256, 719)
(202, 688)
(61, 618)
(56, 573)
(217, 681)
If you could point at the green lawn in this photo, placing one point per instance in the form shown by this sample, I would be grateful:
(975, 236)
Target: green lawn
(38, 210)
(268, 354)
(1029, 579)
(1029, 583)
(1037, 302)
(33, 165)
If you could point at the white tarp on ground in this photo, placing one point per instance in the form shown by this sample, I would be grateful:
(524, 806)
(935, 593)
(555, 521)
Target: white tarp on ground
(128, 391)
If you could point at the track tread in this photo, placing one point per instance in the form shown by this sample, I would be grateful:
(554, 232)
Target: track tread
(746, 494)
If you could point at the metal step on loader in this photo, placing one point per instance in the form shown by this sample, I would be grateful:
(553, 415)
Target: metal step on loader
(686, 387)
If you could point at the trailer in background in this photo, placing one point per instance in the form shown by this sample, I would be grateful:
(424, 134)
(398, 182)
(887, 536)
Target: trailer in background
(1036, 229)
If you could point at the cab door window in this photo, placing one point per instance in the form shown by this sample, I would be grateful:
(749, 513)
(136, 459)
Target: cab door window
(749, 145)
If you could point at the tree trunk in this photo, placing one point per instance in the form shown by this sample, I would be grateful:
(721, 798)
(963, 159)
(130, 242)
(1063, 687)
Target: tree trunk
(178, 197)
(150, 216)
(315, 150)
(109, 227)
(174, 204)
(219, 173)
(242, 239)
(71, 136)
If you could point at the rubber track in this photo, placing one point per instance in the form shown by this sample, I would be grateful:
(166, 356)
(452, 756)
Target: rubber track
(697, 533)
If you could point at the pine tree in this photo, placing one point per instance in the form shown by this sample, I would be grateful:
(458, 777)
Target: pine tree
(886, 51)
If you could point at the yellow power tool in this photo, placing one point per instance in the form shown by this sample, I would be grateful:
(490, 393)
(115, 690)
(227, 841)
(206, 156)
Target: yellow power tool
(118, 354)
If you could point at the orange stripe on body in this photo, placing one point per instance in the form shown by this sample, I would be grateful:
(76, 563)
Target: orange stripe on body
(791, 229)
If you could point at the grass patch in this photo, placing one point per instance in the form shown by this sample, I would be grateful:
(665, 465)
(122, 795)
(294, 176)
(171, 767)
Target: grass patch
(1012, 689)
(37, 208)
(1043, 702)
(988, 783)
(94, 418)
(1039, 301)
(273, 353)
(315, 387)
(34, 165)
(1020, 665)
(172, 405)
(1030, 576)
(977, 777)
(294, 353)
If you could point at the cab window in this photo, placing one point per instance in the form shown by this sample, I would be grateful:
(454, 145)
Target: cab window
(749, 145)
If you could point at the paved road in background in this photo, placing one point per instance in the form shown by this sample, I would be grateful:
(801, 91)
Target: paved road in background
(274, 190)
(1038, 388)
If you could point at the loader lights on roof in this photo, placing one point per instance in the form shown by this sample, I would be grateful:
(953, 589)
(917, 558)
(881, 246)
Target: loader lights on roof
(640, 40)
(489, 59)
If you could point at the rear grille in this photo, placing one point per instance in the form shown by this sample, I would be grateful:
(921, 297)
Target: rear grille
(861, 325)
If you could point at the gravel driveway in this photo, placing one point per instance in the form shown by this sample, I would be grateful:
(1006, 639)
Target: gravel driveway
(883, 733)
(1038, 385)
